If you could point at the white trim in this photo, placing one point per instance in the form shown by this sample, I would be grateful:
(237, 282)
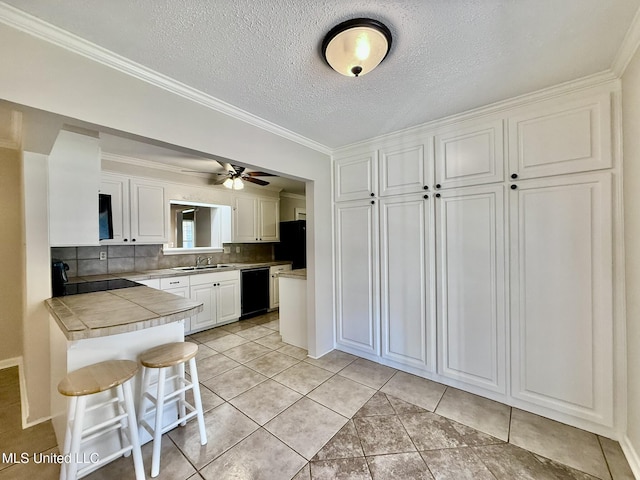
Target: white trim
(628, 47)
(11, 362)
(295, 196)
(631, 454)
(31, 25)
(24, 402)
(138, 162)
(15, 140)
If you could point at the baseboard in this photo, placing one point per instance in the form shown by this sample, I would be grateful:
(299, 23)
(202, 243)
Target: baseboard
(631, 454)
(11, 362)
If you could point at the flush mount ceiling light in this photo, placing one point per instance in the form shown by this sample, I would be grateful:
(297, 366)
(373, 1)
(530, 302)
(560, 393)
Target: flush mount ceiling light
(357, 46)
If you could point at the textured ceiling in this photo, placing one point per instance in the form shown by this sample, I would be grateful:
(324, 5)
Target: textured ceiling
(448, 56)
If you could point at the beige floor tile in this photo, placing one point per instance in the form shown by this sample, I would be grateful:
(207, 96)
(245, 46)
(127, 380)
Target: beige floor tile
(342, 395)
(303, 377)
(344, 444)
(383, 434)
(209, 335)
(456, 464)
(204, 352)
(476, 412)
(255, 332)
(32, 470)
(400, 466)
(404, 408)
(273, 325)
(376, 405)
(292, 351)
(304, 473)
(226, 342)
(236, 327)
(562, 443)
(272, 363)
(209, 399)
(273, 341)
(246, 352)
(418, 391)
(260, 456)
(225, 426)
(618, 465)
(234, 382)
(334, 361)
(264, 401)
(306, 426)
(214, 365)
(368, 373)
(341, 469)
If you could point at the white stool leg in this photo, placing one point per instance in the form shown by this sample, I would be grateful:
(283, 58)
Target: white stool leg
(71, 410)
(193, 371)
(182, 410)
(146, 381)
(121, 406)
(157, 431)
(76, 437)
(133, 431)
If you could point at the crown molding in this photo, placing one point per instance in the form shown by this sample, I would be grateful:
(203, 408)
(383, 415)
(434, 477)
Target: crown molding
(36, 27)
(138, 162)
(628, 48)
(295, 196)
(572, 86)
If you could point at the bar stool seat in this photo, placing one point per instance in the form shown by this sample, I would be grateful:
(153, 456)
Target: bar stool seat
(162, 358)
(78, 386)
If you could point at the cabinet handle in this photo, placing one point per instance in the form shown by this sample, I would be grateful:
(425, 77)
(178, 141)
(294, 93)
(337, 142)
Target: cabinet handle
(173, 283)
(373, 194)
(513, 187)
(514, 175)
(426, 196)
(437, 185)
(437, 195)
(426, 187)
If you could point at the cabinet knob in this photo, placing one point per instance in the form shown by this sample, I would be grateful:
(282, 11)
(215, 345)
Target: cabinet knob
(513, 187)
(514, 175)
(373, 194)
(373, 202)
(256, 239)
(133, 239)
(437, 195)
(426, 196)
(426, 187)
(126, 240)
(437, 185)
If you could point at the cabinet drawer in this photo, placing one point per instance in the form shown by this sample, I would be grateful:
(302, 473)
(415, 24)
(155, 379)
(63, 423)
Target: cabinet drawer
(174, 282)
(151, 283)
(204, 278)
(279, 268)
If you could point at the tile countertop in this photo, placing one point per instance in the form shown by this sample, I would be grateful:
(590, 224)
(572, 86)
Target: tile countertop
(300, 274)
(99, 314)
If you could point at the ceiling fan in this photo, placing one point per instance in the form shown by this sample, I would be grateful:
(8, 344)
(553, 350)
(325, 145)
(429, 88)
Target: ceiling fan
(235, 175)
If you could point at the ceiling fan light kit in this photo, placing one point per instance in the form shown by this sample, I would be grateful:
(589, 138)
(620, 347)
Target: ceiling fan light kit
(355, 47)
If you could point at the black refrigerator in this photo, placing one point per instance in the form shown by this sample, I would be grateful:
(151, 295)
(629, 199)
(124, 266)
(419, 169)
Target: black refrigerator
(293, 243)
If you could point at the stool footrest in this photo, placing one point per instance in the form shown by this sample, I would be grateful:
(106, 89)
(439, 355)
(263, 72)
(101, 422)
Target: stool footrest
(99, 430)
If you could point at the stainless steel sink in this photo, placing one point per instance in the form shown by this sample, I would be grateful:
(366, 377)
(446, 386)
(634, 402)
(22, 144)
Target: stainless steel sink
(201, 267)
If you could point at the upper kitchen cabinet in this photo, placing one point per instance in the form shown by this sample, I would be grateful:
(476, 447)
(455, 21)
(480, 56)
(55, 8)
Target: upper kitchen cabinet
(355, 177)
(406, 168)
(561, 136)
(256, 219)
(74, 180)
(139, 209)
(470, 153)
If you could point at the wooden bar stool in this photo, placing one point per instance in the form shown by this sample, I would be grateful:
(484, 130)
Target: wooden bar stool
(78, 386)
(162, 358)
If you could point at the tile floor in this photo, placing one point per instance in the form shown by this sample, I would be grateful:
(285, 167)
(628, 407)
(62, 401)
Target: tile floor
(272, 413)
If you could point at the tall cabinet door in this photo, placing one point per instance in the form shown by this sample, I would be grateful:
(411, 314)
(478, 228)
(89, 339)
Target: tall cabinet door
(471, 286)
(357, 308)
(561, 295)
(407, 300)
(148, 212)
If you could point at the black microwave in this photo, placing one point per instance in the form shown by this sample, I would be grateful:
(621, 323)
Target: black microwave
(105, 216)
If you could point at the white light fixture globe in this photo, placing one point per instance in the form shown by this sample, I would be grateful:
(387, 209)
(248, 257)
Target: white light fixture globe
(237, 184)
(357, 46)
(228, 183)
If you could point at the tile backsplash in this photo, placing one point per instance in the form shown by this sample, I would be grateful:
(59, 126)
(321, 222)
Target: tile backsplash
(136, 258)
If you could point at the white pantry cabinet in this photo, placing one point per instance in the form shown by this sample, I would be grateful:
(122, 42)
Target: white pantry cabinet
(406, 272)
(561, 295)
(139, 209)
(470, 230)
(256, 219)
(74, 180)
(355, 177)
(356, 254)
(220, 295)
(406, 167)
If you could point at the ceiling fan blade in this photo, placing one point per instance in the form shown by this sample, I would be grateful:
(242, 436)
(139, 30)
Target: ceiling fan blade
(257, 181)
(227, 166)
(260, 174)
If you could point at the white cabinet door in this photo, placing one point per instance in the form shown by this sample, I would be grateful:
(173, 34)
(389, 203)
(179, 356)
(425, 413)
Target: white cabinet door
(406, 168)
(357, 309)
(74, 181)
(407, 299)
(558, 137)
(355, 177)
(274, 284)
(470, 153)
(245, 211)
(269, 219)
(182, 292)
(228, 300)
(118, 187)
(206, 294)
(148, 212)
(561, 295)
(471, 286)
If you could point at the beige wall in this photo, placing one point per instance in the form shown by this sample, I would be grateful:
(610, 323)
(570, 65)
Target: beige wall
(11, 254)
(288, 206)
(631, 145)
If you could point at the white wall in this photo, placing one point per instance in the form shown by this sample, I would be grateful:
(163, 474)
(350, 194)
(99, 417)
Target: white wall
(631, 146)
(288, 204)
(39, 74)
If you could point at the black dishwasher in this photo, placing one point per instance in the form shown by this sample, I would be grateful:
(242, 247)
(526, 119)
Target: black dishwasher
(255, 291)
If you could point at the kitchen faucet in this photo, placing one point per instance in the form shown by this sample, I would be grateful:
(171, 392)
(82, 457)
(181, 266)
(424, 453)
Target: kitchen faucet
(200, 259)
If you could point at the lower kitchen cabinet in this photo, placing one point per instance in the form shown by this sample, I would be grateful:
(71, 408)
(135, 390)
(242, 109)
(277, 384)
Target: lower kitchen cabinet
(274, 285)
(471, 286)
(561, 295)
(220, 295)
